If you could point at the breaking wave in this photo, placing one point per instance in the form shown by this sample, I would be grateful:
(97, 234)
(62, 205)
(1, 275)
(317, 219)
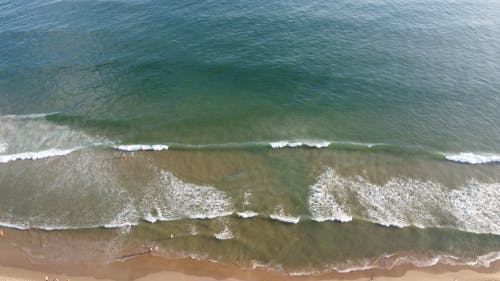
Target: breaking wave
(291, 144)
(403, 202)
(473, 158)
(174, 199)
(35, 136)
(164, 199)
(36, 155)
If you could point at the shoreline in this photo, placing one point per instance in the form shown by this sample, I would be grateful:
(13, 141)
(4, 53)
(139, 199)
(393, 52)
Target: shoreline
(16, 265)
(155, 268)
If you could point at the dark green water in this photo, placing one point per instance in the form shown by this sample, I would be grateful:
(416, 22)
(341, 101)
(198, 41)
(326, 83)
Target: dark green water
(306, 136)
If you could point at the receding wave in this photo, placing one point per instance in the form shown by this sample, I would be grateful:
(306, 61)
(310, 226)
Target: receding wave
(403, 202)
(473, 158)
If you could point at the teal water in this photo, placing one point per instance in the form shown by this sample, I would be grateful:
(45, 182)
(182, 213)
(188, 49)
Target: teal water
(401, 72)
(326, 123)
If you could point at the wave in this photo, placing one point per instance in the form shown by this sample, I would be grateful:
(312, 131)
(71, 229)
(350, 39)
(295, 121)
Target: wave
(247, 214)
(28, 116)
(56, 152)
(283, 144)
(405, 202)
(164, 198)
(173, 199)
(138, 147)
(36, 155)
(473, 158)
(277, 144)
(29, 135)
(33, 137)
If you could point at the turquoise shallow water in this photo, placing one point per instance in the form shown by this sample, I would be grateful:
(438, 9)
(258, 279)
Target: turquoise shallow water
(360, 132)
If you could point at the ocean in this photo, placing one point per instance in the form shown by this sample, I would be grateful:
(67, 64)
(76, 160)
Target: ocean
(301, 137)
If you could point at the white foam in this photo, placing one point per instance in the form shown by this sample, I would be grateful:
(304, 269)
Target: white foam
(473, 158)
(247, 214)
(403, 202)
(225, 234)
(173, 199)
(36, 155)
(138, 147)
(127, 217)
(315, 144)
(3, 147)
(328, 199)
(281, 216)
